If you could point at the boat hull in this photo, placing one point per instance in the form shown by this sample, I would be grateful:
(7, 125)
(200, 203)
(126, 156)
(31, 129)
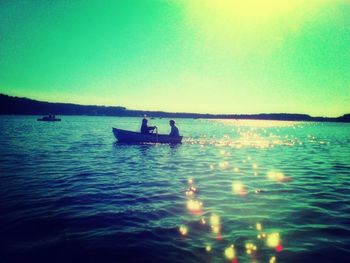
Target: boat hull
(137, 137)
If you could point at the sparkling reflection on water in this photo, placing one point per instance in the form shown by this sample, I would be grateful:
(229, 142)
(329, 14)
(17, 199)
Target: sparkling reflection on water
(234, 191)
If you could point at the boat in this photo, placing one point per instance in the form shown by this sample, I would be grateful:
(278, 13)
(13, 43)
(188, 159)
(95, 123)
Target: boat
(49, 118)
(137, 137)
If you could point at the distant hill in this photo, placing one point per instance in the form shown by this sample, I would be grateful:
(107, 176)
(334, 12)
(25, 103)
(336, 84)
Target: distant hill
(23, 106)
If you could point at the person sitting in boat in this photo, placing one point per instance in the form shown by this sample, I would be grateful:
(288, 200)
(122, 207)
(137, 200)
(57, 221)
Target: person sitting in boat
(145, 129)
(174, 130)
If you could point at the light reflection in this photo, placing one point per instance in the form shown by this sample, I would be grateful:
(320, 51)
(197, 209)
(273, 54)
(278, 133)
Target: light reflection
(278, 176)
(250, 248)
(224, 153)
(279, 248)
(273, 240)
(214, 220)
(247, 138)
(252, 133)
(258, 226)
(239, 189)
(258, 191)
(272, 259)
(230, 252)
(208, 248)
(183, 230)
(215, 225)
(216, 230)
(224, 165)
(257, 123)
(194, 206)
(261, 236)
(191, 191)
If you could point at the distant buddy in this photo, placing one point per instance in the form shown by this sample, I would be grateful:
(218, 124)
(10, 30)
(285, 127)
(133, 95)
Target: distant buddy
(174, 130)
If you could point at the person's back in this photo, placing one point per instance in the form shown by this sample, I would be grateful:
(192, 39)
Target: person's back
(144, 128)
(174, 130)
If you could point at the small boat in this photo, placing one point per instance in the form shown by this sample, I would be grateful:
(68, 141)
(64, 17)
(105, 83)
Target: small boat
(137, 137)
(49, 118)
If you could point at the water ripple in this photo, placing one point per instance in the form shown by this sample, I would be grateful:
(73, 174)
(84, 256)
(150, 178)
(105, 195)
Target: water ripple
(70, 194)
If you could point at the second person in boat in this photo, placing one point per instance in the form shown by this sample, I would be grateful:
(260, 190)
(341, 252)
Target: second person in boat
(174, 130)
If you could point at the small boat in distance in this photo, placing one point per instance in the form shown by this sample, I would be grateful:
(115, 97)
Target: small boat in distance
(49, 118)
(137, 137)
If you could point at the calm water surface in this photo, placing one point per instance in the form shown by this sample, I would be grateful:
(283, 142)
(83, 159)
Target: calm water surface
(234, 191)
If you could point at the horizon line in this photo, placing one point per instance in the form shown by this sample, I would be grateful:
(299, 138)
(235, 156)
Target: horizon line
(164, 111)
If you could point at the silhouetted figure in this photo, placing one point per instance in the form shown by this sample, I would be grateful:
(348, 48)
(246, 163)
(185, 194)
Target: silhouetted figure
(144, 128)
(174, 130)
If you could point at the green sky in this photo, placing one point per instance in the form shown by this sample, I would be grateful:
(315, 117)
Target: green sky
(213, 56)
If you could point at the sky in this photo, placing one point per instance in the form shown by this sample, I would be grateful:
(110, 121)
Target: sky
(204, 56)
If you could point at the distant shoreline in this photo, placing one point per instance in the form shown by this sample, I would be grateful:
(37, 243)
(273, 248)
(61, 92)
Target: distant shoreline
(10, 105)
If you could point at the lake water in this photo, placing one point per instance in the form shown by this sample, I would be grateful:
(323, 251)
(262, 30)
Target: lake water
(233, 191)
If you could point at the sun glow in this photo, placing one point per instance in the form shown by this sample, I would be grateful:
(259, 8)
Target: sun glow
(255, 10)
(239, 26)
(248, 12)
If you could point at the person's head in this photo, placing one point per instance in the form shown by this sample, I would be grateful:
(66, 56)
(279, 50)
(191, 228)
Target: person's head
(144, 121)
(172, 122)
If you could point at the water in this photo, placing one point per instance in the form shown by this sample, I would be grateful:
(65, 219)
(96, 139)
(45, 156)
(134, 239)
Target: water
(68, 193)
